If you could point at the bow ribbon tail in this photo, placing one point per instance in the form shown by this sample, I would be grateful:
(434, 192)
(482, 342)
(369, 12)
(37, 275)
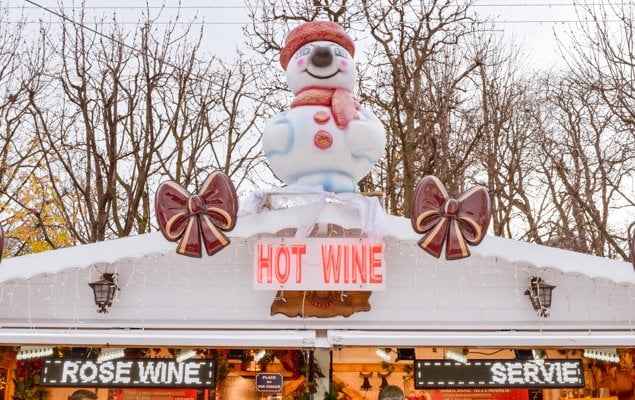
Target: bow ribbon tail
(213, 239)
(432, 242)
(190, 243)
(456, 247)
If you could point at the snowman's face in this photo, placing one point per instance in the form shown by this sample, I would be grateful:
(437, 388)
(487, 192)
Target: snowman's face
(321, 64)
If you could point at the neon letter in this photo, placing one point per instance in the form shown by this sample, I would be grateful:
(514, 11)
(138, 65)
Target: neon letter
(330, 263)
(358, 263)
(264, 262)
(282, 277)
(298, 250)
(375, 263)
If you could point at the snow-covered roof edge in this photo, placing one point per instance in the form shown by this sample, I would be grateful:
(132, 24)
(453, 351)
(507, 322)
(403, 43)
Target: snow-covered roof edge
(343, 214)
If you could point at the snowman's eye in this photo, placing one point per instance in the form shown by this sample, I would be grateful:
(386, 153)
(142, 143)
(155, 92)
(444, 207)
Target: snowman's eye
(305, 51)
(339, 52)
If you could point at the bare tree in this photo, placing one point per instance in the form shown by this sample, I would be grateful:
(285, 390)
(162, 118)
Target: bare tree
(422, 63)
(601, 55)
(597, 97)
(133, 108)
(588, 159)
(23, 200)
(93, 121)
(509, 124)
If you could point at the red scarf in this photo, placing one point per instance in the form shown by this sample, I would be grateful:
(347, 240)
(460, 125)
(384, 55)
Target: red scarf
(343, 106)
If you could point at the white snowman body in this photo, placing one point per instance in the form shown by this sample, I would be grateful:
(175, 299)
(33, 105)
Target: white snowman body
(310, 144)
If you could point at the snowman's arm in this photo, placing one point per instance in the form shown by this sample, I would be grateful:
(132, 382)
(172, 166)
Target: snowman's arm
(366, 136)
(277, 137)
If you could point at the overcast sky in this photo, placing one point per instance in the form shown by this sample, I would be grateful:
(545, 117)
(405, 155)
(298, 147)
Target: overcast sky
(530, 22)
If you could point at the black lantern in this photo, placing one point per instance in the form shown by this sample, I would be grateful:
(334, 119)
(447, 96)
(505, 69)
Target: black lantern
(104, 290)
(539, 293)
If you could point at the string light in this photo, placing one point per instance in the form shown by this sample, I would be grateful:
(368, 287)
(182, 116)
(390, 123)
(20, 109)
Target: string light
(260, 355)
(110, 354)
(185, 354)
(457, 356)
(29, 352)
(384, 354)
(602, 355)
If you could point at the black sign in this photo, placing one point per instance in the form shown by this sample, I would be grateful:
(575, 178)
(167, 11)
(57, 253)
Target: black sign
(435, 374)
(123, 372)
(269, 382)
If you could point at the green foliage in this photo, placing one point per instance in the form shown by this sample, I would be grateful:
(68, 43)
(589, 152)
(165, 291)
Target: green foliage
(331, 394)
(388, 367)
(27, 381)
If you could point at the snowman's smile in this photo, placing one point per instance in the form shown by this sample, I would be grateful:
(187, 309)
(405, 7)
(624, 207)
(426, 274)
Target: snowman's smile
(337, 71)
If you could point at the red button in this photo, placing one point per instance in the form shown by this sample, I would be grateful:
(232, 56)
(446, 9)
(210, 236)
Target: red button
(323, 140)
(321, 117)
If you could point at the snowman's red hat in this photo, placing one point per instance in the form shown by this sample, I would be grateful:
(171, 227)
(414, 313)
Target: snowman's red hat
(311, 32)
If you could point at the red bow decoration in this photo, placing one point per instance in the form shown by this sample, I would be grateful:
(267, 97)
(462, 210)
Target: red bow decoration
(443, 219)
(186, 218)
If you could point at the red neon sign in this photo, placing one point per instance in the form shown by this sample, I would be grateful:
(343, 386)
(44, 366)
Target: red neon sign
(319, 264)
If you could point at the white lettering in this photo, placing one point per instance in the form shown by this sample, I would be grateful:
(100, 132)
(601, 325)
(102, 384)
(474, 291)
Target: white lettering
(498, 373)
(570, 373)
(126, 371)
(148, 373)
(175, 373)
(69, 372)
(106, 372)
(164, 372)
(123, 372)
(531, 373)
(515, 373)
(88, 372)
(192, 374)
(548, 374)
(518, 373)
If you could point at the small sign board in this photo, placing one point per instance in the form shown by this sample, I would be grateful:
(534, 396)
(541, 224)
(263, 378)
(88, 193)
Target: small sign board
(437, 374)
(319, 264)
(269, 382)
(129, 372)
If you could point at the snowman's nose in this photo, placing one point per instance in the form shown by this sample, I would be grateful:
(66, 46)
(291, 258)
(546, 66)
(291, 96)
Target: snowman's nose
(322, 56)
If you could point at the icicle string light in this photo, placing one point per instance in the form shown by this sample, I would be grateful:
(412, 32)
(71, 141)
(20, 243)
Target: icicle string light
(456, 356)
(53, 302)
(109, 354)
(185, 354)
(28, 302)
(602, 355)
(29, 352)
(382, 353)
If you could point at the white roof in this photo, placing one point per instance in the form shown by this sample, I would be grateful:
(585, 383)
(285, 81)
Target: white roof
(346, 213)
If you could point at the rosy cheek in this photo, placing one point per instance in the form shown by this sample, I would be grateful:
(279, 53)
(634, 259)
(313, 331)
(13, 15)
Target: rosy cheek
(299, 63)
(343, 64)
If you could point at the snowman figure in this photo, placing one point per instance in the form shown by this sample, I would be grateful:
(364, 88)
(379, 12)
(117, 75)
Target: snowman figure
(325, 139)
